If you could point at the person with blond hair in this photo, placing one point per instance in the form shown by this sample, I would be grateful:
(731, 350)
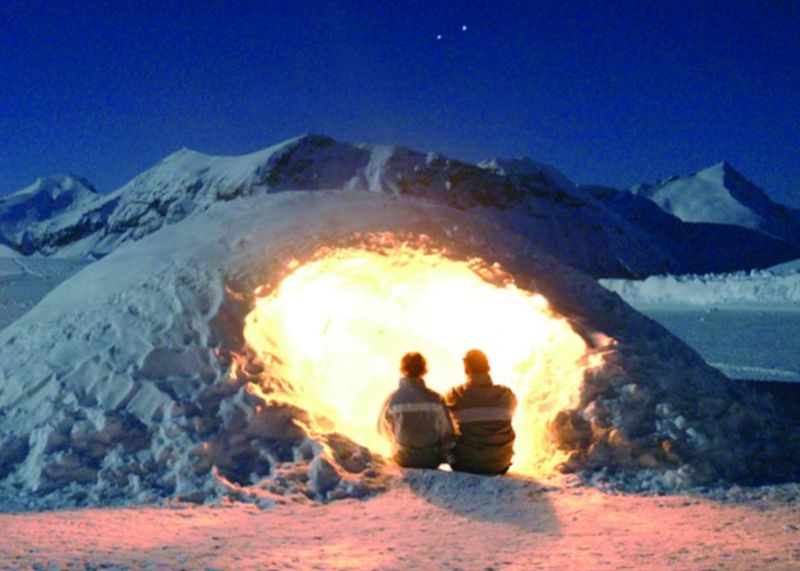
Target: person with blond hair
(415, 419)
(483, 412)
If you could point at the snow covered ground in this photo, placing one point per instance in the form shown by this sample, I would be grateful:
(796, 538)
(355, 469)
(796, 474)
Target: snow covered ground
(427, 520)
(745, 324)
(113, 383)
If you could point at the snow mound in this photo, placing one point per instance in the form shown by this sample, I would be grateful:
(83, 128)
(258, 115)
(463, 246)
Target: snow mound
(758, 288)
(131, 380)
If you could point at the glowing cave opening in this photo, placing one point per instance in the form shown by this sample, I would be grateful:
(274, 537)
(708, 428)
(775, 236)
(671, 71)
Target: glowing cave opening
(339, 323)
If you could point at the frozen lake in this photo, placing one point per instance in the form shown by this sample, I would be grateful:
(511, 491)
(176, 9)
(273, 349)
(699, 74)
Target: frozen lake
(25, 281)
(744, 343)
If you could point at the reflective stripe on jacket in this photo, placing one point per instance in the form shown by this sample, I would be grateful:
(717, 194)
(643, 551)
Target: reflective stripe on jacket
(418, 424)
(483, 412)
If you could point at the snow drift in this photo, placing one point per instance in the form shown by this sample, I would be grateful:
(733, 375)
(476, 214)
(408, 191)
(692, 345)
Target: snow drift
(133, 380)
(752, 289)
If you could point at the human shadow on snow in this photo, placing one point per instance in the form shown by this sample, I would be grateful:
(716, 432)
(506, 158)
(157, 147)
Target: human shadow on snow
(514, 500)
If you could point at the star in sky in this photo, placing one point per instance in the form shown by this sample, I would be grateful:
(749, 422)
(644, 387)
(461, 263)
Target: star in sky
(441, 36)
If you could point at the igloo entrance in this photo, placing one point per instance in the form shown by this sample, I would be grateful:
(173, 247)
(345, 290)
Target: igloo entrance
(338, 324)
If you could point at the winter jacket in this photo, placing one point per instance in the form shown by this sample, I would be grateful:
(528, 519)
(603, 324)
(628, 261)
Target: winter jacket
(483, 413)
(416, 420)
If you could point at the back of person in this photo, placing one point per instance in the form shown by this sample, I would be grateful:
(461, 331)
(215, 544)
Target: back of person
(416, 419)
(483, 412)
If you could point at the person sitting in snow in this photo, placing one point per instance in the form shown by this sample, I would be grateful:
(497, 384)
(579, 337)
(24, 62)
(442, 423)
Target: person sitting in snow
(483, 413)
(415, 419)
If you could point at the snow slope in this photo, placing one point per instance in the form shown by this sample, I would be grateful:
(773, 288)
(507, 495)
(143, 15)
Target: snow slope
(721, 195)
(130, 381)
(792, 266)
(527, 170)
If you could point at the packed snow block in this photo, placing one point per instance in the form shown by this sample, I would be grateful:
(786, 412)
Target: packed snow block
(133, 380)
(349, 455)
(323, 476)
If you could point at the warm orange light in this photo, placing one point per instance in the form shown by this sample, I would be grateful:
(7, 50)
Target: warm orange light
(340, 323)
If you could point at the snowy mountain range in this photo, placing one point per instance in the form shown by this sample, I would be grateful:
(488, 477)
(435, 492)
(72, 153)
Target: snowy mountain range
(712, 221)
(721, 195)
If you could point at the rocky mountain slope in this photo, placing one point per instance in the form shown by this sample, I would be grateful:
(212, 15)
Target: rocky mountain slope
(702, 247)
(550, 213)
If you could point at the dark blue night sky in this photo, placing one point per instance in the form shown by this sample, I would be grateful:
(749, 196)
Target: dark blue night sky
(613, 95)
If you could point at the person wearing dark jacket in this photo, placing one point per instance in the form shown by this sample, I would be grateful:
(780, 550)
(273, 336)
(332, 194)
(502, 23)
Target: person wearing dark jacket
(483, 412)
(415, 419)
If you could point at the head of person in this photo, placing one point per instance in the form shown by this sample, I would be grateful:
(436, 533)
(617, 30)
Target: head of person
(475, 362)
(413, 365)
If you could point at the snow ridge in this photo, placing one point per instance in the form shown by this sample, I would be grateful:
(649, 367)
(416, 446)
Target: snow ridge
(757, 288)
(713, 221)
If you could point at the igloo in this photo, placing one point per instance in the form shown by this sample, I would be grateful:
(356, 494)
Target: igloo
(243, 351)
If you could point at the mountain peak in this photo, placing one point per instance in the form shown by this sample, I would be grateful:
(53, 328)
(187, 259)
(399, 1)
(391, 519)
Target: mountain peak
(720, 194)
(47, 197)
(718, 171)
(57, 185)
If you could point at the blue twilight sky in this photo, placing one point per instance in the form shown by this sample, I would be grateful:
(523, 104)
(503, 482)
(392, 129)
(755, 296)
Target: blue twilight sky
(609, 92)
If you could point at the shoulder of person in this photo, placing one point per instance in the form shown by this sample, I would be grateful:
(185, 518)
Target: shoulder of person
(454, 393)
(431, 394)
(506, 391)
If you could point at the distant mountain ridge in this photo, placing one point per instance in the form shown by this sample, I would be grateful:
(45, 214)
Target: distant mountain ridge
(721, 195)
(702, 247)
(36, 205)
(604, 232)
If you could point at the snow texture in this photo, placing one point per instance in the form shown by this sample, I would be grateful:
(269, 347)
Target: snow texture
(131, 382)
(430, 520)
